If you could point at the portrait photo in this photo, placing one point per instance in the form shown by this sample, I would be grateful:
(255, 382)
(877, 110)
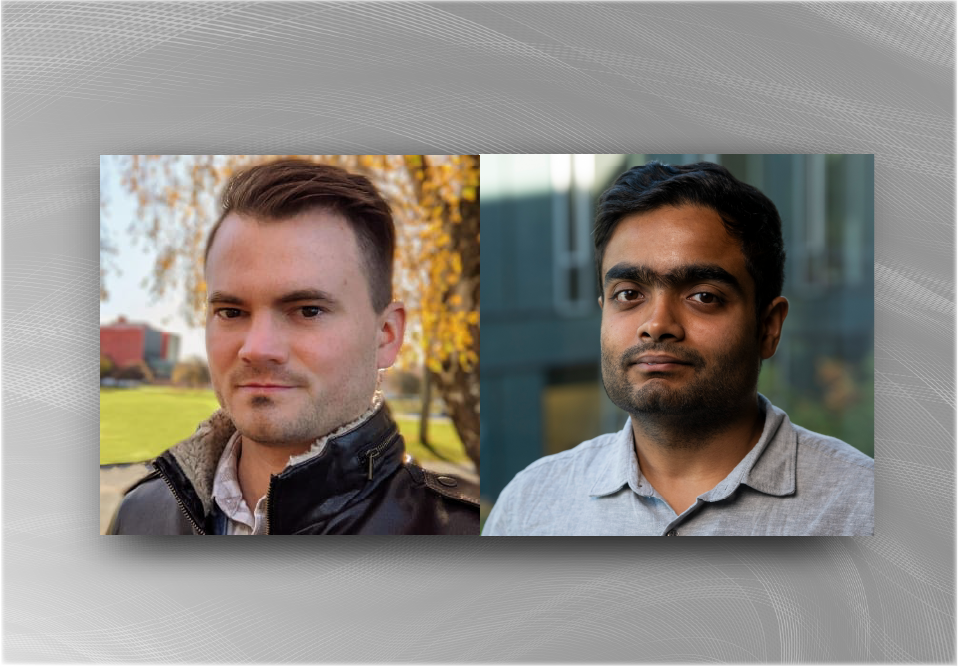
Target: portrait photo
(289, 344)
(678, 344)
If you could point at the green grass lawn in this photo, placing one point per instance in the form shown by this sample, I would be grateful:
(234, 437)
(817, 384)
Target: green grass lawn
(442, 436)
(139, 424)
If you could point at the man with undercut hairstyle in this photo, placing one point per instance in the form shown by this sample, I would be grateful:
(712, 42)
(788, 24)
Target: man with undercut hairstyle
(300, 322)
(691, 265)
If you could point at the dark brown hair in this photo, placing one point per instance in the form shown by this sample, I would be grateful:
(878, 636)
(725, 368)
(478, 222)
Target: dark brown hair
(283, 189)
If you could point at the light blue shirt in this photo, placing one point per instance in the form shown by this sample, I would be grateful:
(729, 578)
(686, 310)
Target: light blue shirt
(793, 482)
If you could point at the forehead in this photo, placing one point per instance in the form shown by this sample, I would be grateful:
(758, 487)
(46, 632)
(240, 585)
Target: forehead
(316, 249)
(674, 236)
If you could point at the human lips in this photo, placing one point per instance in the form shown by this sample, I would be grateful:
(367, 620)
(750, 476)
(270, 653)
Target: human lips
(264, 387)
(658, 362)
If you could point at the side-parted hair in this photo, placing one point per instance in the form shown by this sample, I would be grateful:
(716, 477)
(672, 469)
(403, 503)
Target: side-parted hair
(282, 189)
(748, 215)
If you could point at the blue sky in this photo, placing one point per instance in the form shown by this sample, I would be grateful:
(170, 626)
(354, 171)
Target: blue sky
(128, 296)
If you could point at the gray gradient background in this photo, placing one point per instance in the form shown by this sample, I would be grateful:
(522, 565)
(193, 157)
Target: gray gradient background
(80, 80)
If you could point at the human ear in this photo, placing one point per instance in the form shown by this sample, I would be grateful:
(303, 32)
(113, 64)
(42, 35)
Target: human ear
(392, 326)
(770, 331)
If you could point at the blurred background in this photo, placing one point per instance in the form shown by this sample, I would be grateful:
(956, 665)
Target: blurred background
(156, 211)
(540, 369)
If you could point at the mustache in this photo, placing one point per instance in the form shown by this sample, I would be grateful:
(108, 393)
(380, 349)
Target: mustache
(264, 376)
(631, 355)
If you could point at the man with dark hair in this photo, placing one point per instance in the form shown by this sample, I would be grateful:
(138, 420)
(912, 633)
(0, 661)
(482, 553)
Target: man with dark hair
(300, 324)
(691, 265)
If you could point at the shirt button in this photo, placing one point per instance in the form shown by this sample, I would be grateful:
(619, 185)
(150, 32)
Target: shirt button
(672, 533)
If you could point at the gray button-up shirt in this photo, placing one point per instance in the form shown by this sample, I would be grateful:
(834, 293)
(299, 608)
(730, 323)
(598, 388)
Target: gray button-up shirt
(793, 482)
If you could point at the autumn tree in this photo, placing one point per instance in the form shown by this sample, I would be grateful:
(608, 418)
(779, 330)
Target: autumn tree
(138, 371)
(435, 203)
(107, 366)
(193, 372)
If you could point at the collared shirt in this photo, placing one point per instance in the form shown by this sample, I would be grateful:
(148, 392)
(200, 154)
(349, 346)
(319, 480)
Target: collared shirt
(229, 497)
(793, 482)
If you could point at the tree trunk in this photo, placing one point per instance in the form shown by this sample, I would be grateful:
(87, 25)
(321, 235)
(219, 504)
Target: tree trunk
(424, 410)
(460, 389)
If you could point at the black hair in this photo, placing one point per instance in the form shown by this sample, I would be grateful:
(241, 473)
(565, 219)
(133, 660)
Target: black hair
(749, 216)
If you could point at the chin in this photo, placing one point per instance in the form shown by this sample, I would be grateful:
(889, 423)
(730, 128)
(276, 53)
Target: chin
(660, 405)
(258, 423)
(271, 433)
(661, 400)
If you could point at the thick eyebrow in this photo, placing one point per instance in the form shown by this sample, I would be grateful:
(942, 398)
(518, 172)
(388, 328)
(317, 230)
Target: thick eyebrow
(680, 275)
(297, 296)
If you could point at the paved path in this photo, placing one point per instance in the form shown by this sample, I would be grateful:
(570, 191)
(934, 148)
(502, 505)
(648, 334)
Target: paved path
(115, 479)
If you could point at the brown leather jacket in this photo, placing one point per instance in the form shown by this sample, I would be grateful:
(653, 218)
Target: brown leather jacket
(361, 483)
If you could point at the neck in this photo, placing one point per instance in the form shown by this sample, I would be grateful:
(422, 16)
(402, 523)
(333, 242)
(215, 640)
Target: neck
(685, 456)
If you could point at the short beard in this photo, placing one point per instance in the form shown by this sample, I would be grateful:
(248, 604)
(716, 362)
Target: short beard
(272, 432)
(314, 420)
(299, 430)
(685, 418)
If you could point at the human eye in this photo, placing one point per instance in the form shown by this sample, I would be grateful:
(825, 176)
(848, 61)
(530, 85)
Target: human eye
(626, 295)
(310, 311)
(228, 313)
(706, 298)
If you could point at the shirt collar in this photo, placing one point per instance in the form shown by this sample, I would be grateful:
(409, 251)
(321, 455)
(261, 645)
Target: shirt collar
(621, 467)
(226, 489)
(769, 467)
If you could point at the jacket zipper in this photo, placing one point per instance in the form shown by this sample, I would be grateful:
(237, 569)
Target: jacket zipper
(370, 454)
(179, 501)
(269, 491)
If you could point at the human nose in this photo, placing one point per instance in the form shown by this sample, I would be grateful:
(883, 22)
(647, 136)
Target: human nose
(265, 342)
(661, 322)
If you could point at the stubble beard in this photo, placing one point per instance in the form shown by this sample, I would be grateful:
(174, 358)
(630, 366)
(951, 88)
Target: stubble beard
(262, 421)
(270, 421)
(683, 417)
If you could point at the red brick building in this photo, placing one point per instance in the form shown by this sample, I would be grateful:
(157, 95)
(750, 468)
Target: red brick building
(125, 343)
